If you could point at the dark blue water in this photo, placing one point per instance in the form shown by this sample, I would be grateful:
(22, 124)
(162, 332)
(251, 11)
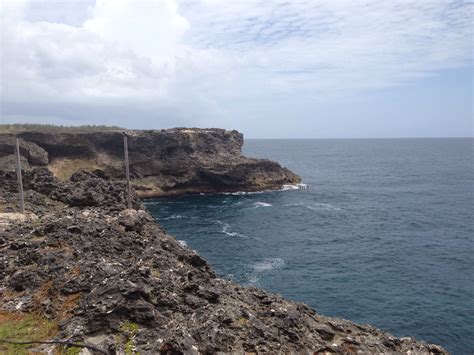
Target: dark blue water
(383, 235)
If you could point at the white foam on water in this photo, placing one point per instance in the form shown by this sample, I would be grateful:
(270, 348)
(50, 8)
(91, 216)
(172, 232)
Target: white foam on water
(268, 264)
(283, 188)
(264, 266)
(262, 204)
(294, 187)
(183, 243)
(254, 279)
(322, 206)
(313, 206)
(241, 193)
(226, 230)
(174, 216)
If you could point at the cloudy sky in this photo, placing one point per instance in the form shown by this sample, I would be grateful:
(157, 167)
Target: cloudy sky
(269, 68)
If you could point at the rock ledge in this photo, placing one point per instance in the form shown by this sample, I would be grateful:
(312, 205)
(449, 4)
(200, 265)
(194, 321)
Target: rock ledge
(162, 162)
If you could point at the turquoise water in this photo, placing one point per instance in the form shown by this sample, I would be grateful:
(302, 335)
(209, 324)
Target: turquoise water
(382, 235)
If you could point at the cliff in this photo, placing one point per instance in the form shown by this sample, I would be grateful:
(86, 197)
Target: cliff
(84, 269)
(162, 162)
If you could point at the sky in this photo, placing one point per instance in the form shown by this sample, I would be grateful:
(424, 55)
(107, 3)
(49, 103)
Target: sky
(268, 68)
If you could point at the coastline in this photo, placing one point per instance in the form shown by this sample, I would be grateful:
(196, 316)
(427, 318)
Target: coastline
(123, 268)
(162, 162)
(228, 191)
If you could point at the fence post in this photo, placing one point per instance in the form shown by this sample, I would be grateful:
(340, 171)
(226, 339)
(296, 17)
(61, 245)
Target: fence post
(18, 176)
(127, 170)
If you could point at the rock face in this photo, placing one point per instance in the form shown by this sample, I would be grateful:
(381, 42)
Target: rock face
(162, 162)
(112, 277)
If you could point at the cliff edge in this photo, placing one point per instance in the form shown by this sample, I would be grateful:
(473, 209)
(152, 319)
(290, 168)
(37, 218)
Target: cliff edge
(162, 162)
(81, 268)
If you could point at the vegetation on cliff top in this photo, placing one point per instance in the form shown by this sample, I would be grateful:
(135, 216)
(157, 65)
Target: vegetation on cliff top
(17, 127)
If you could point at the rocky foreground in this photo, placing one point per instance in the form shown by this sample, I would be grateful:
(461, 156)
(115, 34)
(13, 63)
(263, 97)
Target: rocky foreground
(162, 162)
(111, 277)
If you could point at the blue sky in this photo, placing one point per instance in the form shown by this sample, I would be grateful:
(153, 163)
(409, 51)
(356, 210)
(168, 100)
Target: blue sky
(271, 69)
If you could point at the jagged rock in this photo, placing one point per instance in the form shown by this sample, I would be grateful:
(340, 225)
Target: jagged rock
(111, 276)
(162, 162)
(33, 153)
(133, 220)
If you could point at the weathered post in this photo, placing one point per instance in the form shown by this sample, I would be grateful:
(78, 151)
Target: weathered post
(127, 170)
(18, 176)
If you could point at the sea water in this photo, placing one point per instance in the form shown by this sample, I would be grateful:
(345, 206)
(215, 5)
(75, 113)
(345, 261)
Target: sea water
(382, 234)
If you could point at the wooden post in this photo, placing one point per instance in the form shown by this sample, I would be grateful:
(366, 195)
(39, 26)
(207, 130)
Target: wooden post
(18, 176)
(127, 171)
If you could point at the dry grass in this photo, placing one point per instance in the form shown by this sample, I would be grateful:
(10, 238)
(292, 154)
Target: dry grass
(66, 304)
(7, 218)
(61, 245)
(23, 327)
(15, 128)
(43, 293)
(63, 168)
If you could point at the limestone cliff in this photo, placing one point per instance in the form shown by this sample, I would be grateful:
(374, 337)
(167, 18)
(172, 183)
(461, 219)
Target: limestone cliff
(162, 162)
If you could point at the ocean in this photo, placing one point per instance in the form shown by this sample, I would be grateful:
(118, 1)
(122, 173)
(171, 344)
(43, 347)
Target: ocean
(382, 234)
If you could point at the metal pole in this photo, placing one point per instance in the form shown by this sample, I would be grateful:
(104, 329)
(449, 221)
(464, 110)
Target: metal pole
(18, 176)
(127, 171)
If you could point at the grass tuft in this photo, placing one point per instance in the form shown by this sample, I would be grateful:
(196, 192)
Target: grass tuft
(129, 330)
(22, 328)
(16, 128)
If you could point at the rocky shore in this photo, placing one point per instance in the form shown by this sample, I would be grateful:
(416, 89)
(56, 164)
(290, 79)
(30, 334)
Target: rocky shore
(100, 274)
(162, 162)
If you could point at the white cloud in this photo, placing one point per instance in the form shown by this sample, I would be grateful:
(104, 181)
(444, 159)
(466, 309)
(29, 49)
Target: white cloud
(152, 28)
(46, 62)
(195, 61)
(338, 45)
(13, 9)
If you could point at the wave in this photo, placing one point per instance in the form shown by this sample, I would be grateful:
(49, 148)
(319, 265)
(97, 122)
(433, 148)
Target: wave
(183, 243)
(313, 206)
(174, 216)
(240, 193)
(254, 279)
(283, 188)
(226, 230)
(322, 206)
(266, 265)
(262, 204)
(294, 187)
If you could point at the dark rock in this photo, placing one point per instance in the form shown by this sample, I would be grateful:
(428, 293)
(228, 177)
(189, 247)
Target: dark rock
(208, 295)
(126, 282)
(74, 229)
(162, 162)
(33, 153)
(196, 260)
(24, 279)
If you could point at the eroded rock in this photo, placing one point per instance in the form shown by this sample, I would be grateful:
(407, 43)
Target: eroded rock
(162, 162)
(113, 277)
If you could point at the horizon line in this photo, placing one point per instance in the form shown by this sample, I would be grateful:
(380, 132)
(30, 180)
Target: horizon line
(340, 138)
